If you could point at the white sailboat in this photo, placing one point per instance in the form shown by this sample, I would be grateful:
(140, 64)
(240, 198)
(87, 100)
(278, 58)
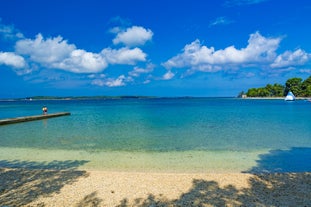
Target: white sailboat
(290, 97)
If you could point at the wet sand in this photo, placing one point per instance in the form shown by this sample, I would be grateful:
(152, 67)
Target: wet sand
(73, 187)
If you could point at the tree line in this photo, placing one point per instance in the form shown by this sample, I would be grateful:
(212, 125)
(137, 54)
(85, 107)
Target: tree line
(298, 86)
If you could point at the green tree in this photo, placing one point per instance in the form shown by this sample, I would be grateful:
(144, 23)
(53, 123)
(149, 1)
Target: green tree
(269, 88)
(252, 92)
(263, 92)
(306, 87)
(278, 90)
(294, 85)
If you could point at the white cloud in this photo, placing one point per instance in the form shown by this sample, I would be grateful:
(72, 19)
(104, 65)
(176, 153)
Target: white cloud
(111, 82)
(57, 53)
(81, 61)
(45, 52)
(168, 75)
(11, 59)
(116, 82)
(133, 36)
(288, 59)
(220, 21)
(98, 82)
(259, 51)
(115, 30)
(9, 32)
(138, 71)
(124, 55)
(96, 75)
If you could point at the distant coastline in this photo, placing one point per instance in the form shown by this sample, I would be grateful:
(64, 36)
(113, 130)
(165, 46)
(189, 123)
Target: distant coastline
(69, 98)
(273, 98)
(51, 98)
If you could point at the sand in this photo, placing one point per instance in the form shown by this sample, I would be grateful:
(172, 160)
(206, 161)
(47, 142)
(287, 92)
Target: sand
(72, 187)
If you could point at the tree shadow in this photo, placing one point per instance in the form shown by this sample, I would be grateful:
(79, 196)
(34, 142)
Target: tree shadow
(281, 178)
(276, 189)
(53, 165)
(297, 159)
(90, 200)
(22, 182)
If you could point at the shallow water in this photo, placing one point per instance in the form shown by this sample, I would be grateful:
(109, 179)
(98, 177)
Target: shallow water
(147, 133)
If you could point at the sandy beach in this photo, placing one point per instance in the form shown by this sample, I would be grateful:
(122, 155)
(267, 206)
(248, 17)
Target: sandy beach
(70, 187)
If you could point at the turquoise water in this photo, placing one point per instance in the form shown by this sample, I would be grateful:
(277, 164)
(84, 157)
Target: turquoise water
(161, 125)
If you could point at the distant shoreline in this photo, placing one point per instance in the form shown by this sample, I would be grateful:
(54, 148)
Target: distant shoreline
(53, 98)
(70, 98)
(274, 98)
(66, 98)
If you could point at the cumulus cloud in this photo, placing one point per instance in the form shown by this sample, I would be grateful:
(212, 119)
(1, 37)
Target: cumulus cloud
(289, 59)
(124, 55)
(81, 61)
(168, 75)
(16, 62)
(39, 54)
(9, 32)
(51, 50)
(111, 82)
(116, 82)
(260, 51)
(98, 82)
(133, 36)
(137, 71)
(11, 59)
(57, 53)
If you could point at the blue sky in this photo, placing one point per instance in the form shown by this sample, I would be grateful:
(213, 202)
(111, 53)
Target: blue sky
(147, 47)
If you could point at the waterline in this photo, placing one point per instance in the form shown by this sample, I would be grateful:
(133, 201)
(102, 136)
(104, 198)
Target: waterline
(174, 161)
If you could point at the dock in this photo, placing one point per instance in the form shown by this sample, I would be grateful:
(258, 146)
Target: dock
(32, 118)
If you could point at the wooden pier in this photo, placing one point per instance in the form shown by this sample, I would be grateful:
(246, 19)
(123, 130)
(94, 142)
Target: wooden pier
(32, 118)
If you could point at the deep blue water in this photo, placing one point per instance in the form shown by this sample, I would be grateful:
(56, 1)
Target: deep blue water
(160, 124)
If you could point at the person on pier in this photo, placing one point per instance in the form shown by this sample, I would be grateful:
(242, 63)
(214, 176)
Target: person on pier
(44, 110)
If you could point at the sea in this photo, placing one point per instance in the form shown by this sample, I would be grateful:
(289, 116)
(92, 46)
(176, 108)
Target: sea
(172, 135)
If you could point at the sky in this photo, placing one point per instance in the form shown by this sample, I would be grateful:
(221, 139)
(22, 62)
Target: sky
(151, 48)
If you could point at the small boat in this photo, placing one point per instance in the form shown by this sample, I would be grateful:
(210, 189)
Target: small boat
(290, 97)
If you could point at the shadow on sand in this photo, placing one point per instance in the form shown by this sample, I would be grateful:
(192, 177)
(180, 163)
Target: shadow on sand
(281, 178)
(90, 200)
(22, 182)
